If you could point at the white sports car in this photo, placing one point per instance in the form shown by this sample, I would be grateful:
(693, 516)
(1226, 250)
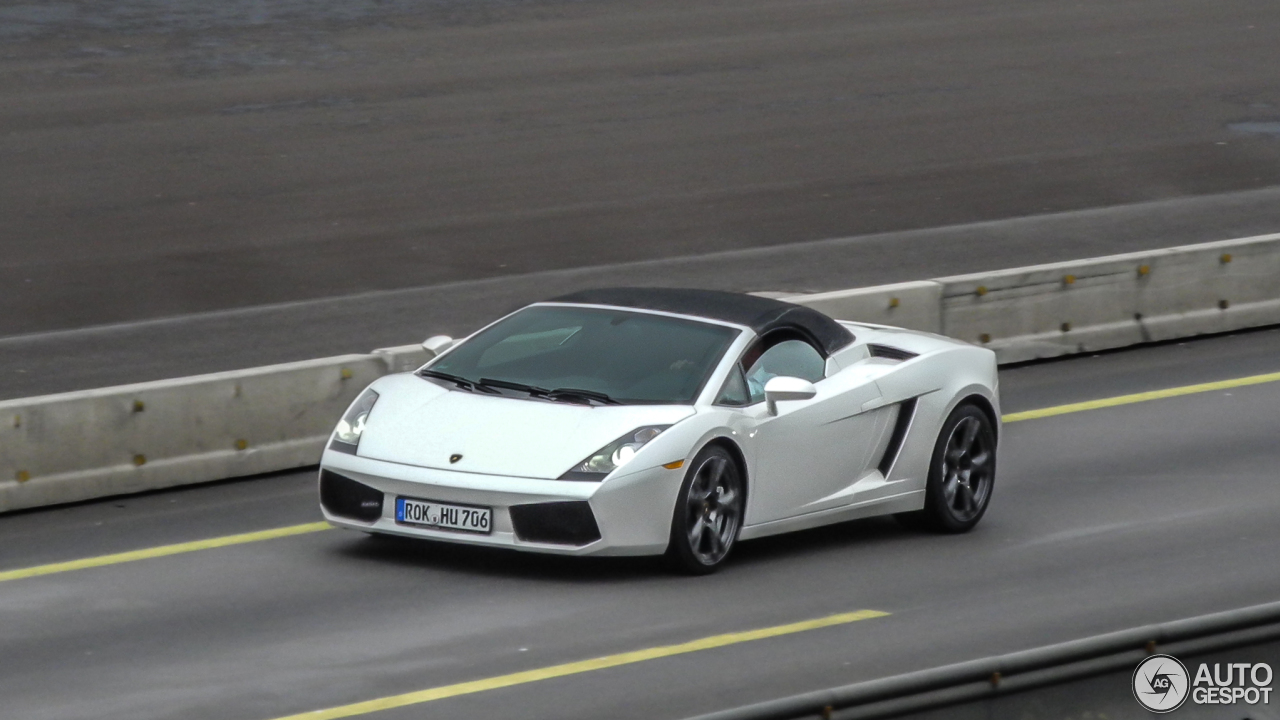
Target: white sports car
(646, 421)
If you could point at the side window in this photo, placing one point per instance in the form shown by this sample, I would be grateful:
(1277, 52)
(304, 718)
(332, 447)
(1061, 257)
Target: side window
(789, 358)
(734, 392)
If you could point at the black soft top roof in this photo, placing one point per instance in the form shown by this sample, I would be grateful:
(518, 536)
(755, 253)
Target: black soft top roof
(760, 314)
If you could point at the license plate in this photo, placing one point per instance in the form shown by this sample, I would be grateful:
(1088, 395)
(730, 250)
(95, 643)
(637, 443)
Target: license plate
(442, 515)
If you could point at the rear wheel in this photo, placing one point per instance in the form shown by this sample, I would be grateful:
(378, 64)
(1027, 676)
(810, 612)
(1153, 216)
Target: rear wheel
(961, 473)
(708, 513)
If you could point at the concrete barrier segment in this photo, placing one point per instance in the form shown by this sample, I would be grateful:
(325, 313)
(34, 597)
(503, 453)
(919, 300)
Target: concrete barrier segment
(404, 358)
(913, 305)
(1102, 303)
(109, 441)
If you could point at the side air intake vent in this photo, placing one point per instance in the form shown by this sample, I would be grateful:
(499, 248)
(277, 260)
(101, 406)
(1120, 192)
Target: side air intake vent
(347, 498)
(906, 412)
(892, 353)
(561, 523)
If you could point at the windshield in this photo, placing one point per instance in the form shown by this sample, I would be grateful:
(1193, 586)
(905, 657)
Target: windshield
(627, 357)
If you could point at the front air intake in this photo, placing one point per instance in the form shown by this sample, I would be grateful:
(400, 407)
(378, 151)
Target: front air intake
(347, 498)
(558, 523)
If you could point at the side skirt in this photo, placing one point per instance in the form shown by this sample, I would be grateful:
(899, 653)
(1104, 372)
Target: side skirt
(903, 502)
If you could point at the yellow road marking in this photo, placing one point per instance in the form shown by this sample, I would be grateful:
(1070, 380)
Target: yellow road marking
(581, 666)
(162, 551)
(1141, 397)
(314, 527)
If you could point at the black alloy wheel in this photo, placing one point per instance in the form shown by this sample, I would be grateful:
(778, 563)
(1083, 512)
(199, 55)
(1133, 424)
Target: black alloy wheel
(962, 472)
(708, 512)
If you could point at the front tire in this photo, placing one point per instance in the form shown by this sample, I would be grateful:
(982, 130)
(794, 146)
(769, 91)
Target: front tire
(708, 513)
(962, 472)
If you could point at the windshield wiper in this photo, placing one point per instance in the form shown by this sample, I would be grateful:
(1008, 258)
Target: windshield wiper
(585, 394)
(508, 385)
(559, 394)
(465, 384)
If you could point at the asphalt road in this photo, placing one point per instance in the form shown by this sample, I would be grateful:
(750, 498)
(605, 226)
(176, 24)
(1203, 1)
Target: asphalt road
(169, 157)
(1101, 520)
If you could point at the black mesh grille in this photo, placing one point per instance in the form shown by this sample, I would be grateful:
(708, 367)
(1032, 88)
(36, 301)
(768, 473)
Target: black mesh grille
(561, 523)
(347, 498)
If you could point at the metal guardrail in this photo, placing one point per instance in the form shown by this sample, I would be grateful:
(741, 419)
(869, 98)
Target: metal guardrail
(1015, 672)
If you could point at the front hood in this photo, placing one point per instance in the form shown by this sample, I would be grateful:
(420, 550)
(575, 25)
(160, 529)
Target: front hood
(417, 422)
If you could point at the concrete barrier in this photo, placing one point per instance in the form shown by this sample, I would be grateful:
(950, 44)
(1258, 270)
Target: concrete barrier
(1116, 301)
(1086, 305)
(403, 358)
(113, 441)
(914, 305)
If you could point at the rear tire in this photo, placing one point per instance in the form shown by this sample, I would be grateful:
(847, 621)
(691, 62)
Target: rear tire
(708, 513)
(962, 474)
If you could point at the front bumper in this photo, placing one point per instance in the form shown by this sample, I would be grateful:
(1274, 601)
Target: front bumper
(632, 512)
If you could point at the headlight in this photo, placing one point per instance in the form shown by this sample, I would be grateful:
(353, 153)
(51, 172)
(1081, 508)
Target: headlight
(614, 455)
(347, 436)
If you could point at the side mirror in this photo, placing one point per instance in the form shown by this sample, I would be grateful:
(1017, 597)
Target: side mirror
(787, 388)
(437, 344)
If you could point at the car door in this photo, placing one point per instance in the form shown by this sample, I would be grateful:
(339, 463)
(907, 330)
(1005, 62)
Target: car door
(808, 456)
